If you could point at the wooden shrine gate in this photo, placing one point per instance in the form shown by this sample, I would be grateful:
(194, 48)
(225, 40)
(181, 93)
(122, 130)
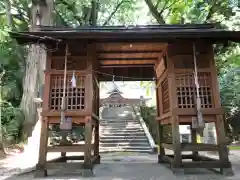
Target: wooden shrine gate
(179, 58)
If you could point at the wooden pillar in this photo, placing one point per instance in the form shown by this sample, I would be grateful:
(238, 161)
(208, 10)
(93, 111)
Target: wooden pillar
(221, 135)
(41, 170)
(161, 151)
(88, 143)
(223, 150)
(96, 143)
(194, 141)
(176, 143)
(174, 119)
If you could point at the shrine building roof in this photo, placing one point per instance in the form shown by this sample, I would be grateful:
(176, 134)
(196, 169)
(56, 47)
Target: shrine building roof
(164, 33)
(114, 90)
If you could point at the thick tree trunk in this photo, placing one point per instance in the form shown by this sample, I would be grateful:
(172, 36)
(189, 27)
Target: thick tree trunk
(35, 65)
(8, 13)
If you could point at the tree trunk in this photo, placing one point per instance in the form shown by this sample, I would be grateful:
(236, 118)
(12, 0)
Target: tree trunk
(8, 13)
(2, 151)
(35, 65)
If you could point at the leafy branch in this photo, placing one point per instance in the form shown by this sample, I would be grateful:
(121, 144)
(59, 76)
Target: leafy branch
(114, 11)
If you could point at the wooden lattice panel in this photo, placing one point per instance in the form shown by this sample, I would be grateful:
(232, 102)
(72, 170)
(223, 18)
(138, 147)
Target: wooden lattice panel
(75, 97)
(73, 63)
(165, 96)
(186, 90)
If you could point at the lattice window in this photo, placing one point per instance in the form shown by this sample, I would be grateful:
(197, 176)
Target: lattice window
(73, 63)
(165, 96)
(75, 97)
(186, 90)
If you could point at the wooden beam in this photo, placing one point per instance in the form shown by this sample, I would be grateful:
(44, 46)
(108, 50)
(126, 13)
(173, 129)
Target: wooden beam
(75, 120)
(70, 148)
(60, 165)
(126, 66)
(79, 113)
(126, 62)
(201, 164)
(199, 147)
(192, 111)
(130, 52)
(131, 46)
(129, 55)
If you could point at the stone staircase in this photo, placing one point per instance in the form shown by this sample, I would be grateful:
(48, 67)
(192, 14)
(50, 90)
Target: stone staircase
(120, 130)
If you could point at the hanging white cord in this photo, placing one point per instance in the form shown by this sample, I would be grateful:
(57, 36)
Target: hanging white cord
(201, 123)
(64, 87)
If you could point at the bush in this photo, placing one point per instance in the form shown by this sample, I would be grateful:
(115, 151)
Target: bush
(12, 122)
(148, 114)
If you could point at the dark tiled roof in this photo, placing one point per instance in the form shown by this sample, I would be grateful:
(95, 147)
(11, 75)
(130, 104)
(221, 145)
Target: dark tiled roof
(109, 33)
(114, 90)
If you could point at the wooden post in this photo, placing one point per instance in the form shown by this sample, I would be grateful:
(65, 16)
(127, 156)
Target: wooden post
(88, 142)
(41, 170)
(174, 119)
(161, 151)
(223, 151)
(96, 143)
(221, 135)
(194, 141)
(176, 144)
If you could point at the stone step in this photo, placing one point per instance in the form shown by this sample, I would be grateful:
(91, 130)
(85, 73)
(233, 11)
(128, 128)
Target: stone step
(126, 148)
(121, 128)
(141, 133)
(123, 141)
(133, 132)
(123, 144)
(122, 137)
(117, 120)
(120, 124)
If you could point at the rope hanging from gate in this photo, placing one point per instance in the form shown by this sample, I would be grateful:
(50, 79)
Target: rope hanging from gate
(64, 123)
(200, 121)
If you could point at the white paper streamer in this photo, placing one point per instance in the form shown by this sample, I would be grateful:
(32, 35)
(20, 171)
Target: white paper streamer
(74, 81)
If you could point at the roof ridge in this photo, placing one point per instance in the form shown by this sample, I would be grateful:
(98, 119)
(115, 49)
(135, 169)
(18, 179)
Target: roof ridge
(163, 26)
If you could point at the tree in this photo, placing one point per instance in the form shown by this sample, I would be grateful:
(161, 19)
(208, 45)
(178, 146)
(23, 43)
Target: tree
(2, 152)
(188, 11)
(42, 13)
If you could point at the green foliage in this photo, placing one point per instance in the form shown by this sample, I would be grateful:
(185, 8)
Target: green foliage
(148, 114)
(12, 121)
(11, 65)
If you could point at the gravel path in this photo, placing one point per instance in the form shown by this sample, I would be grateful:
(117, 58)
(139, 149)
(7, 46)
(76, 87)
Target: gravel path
(121, 166)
